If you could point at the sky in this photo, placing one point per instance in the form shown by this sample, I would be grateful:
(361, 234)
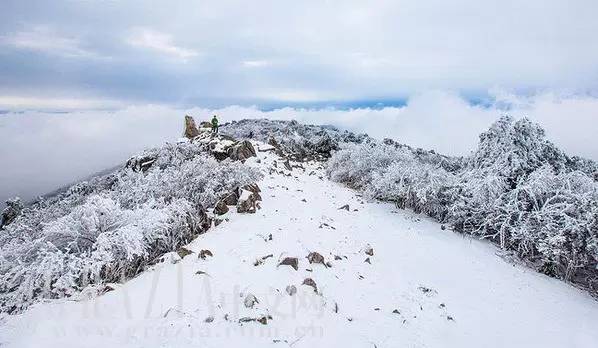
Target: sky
(84, 84)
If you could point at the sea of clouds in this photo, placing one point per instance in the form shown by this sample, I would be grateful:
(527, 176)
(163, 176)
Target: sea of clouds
(42, 151)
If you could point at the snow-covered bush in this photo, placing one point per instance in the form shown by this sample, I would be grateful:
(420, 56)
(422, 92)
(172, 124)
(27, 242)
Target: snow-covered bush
(299, 140)
(517, 189)
(110, 227)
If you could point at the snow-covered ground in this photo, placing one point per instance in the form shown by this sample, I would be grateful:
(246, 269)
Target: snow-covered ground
(422, 287)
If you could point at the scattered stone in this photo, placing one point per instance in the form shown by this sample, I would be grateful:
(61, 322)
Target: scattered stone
(336, 257)
(190, 127)
(346, 207)
(217, 222)
(396, 311)
(290, 261)
(221, 208)
(369, 250)
(377, 309)
(328, 264)
(427, 291)
(287, 165)
(315, 257)
(182, 252)
(209, 319)
(310, 282)
(442, 227)
(291, 290)
(335, 307)
(368, 261)
(262, 320)
(247, 202)
(442, 305)
(250, 301)
(200, 273)
(350, 319)
(205, 253)
(304, 200)
(449, 318)
(262, 259)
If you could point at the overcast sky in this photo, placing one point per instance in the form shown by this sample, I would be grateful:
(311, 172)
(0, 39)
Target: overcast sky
(84, 84)
(112, 53)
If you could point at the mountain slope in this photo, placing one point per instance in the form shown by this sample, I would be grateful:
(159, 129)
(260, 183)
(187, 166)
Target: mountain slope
(422, 287)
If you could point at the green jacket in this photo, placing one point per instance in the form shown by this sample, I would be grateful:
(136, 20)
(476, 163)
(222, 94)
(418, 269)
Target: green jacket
(214, 122)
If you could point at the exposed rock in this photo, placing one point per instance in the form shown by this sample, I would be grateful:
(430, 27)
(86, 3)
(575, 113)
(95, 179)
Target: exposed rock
(346, 207)
(220, 208)
(287, 165)
(205, 124)
(184, 252)
(315, 257)
(232, 198)
(368, 261)
(247, 202)
(190, 127)
(241, 151)
(250, 300)
(217, 222)
(442, 227)
(310, 282)
(200, 273)
(13, 209)
(141, 163)
(369, 250)
(290, 261)
(209, 319)
(205, 253)
(262, 259)
(291, 290)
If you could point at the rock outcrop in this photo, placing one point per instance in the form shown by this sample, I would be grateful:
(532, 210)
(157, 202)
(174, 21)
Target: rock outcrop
(190, 128)
(12, 211)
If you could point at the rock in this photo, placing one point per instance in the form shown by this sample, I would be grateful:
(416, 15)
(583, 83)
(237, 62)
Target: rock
(205, 124)
(287, 165)
(315, 257)
(262, 259)
(396, 311)
(291, 290)
(369, 250)
(262, 320)
(368, 261)
(346, 207)
(241, 151)
(442, 227)
(13, 209)
(141, 163)
(205, 253)
(220, 208)
(184, 252)
(232, 198)
(250, 300)
(290, 261)
(200, 273)
(336, 257)
(247, 202)
(310, 282)
(190, 127)
(217, 222)
(209, 319)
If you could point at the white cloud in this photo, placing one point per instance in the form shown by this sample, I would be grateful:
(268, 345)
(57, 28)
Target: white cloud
(59, 103)
(159, 42)
(256, 63)
(40, 151)
(46, 40)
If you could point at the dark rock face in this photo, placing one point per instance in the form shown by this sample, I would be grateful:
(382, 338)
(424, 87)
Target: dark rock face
(315, 257)
(221, 208)
(290, 261)
(248, 199)
(12, 211)
(190, 128)
(141, 163)
(310, 282)
(232, 198)
(241, 151)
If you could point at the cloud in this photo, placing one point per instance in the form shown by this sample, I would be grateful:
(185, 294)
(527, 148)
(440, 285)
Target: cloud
(354, 50)
(159, 42)
(60, 104)
(44, 39)
(41, 151)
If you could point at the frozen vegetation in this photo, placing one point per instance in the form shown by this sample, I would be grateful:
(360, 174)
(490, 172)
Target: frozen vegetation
(111, 227)
(517, 189)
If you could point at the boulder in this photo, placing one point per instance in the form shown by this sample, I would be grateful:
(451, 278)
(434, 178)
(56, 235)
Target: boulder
(310, 282)
(220, 208)
(241, 151)
(204, 254)
(250, 300)
(290, 261)
(291, 290)
(247, 202)
(315, 257)
(184, 252)
(232, 198)
(190, 127)
(13, 209)
(141, 163)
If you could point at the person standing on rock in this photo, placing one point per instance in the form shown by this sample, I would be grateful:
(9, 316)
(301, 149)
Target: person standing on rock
(214, 124)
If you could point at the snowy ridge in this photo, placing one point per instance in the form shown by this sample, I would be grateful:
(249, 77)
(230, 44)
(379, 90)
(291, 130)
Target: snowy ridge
(389, 278)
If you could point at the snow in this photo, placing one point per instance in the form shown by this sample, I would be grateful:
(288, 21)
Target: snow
(449, 290)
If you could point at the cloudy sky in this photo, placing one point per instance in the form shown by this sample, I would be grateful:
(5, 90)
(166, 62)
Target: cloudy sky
(84, 84)
(110, 53)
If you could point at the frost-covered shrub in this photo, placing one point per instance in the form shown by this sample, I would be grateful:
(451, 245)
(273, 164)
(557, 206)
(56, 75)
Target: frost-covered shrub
(111, 227)
(294, 138)
(517, 189)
